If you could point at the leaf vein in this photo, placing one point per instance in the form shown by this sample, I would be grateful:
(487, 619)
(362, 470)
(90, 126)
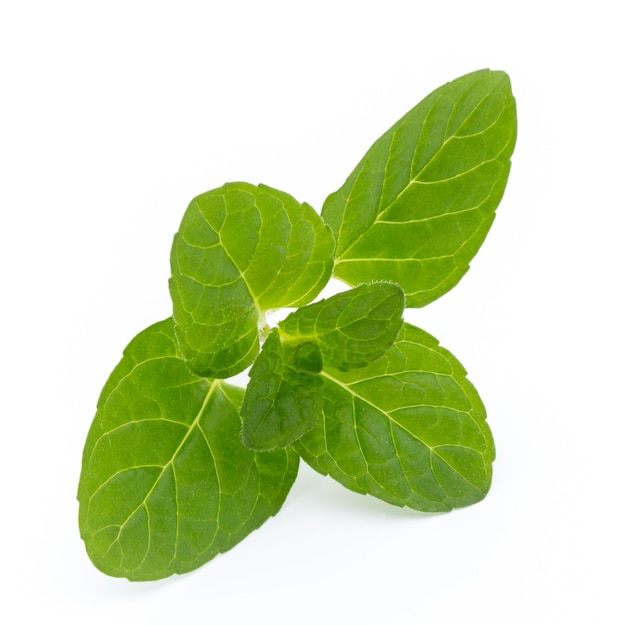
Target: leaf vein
(170, 462)
(379, 409)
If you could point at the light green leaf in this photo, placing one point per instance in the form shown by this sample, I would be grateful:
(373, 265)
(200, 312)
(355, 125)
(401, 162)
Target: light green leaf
(409, 428)
(240, 251)
(166, 482)
(352, 328)
(418, 206)
(281, 402)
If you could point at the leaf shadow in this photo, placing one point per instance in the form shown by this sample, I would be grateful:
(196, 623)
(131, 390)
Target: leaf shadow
(324, 492)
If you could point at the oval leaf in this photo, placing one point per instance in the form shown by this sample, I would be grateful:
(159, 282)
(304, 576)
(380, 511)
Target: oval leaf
(240, 251)
(418, 206)
(166, 482)
(281, 401)
(351, 328)
(409, 428)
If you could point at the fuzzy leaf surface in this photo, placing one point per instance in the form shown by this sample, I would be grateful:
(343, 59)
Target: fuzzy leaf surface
(166, 482)
(418, 206)
(408, 428)
(352, 328)
(281, 401)
(240, 251)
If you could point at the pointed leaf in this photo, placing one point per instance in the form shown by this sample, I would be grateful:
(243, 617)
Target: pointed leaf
(281, 402)
(240, 251)
(409, 428)
(166, 482)
(418, 206)
(352, 328)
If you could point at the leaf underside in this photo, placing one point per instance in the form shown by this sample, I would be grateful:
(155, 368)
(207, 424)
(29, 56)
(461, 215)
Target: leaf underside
(166, 482)
(418, 206)
(409, 429)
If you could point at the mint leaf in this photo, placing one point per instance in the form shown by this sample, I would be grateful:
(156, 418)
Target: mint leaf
(352, 328)
(418, 206)
(409, 428)
(166, 482)
(240, 251)
(281, 401)
(307, 357)
(179, 466)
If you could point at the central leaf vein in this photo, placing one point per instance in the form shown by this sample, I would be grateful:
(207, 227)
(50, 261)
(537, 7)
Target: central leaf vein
(170, 463)
(389, 416)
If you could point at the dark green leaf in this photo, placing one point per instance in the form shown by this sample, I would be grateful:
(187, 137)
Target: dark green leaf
(240, 251)
(281, 402)
(166, 481)
(352, 328)
(307, 357)
(418, 206)
(409, 428)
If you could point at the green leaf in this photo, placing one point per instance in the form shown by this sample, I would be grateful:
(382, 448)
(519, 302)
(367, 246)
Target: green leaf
(352, 328)
(307, 357)
(409, 428)
(281, 402)
(166, 482)
(418, 206)
(348, 330)
(240, 251)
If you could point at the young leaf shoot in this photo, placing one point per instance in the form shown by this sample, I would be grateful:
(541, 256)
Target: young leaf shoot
(180, 465)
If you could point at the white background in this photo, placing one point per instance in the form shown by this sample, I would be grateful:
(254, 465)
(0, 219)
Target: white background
(113, 115)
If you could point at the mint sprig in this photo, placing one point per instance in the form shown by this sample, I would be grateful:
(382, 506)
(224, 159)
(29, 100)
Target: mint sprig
(180, 465)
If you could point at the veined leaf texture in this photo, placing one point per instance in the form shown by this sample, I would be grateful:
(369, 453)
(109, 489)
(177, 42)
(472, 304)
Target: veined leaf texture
(179, 465)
